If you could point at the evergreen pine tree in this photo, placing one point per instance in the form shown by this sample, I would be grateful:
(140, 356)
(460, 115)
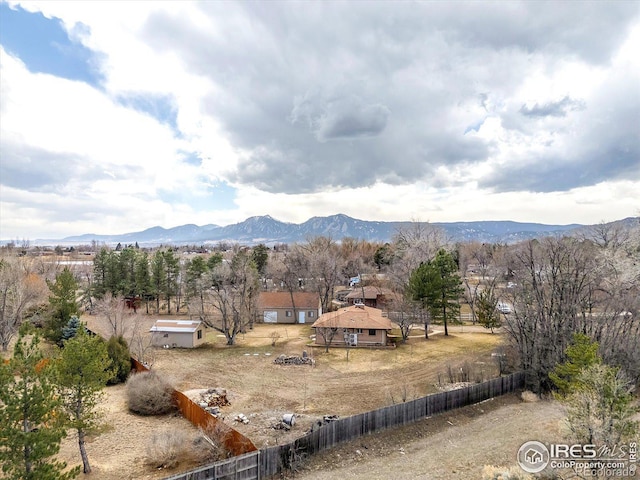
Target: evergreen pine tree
(437, 286)
(488, 315)
(30, 417)
(71, 328)
(120, 358)
(63, 304)
(581, 354)
(82, 372)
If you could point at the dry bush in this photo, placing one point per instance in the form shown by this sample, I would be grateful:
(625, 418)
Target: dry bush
(528, 396)
(165, 449)
(463, 373)
(149, 394)
(210, 445)
(275, 335)
(404, 394)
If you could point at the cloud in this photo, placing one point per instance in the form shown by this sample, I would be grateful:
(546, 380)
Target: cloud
(299, 105)
(553, 109)
(340, 118)
(599, 143)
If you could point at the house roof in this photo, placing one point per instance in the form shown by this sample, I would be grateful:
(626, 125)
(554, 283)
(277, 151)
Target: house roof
(305, 300)
(370, 292)
(178, 326)
(355, 316)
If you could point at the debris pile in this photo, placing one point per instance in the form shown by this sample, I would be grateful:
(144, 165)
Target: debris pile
(293, 360)
(286, 423)
(326, 419)
(214, 397)
(242, 418)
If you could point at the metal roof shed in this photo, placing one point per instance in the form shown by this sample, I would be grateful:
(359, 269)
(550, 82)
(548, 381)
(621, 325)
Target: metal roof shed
(177, 333)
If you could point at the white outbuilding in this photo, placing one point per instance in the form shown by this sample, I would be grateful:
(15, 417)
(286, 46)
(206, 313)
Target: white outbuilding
(177, 333)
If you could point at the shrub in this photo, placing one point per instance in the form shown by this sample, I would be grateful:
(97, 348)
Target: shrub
(148, 394)
(120, 357)
(165, 449)
(210, 445)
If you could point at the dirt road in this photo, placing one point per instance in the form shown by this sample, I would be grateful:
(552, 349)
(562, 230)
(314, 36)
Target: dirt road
(452, 446)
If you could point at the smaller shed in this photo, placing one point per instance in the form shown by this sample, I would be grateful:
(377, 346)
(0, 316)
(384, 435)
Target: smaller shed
(177, 333)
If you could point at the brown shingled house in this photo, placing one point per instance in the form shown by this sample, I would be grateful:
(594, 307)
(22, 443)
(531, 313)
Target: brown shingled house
(370, 295)
(284, 307)
(357, 325)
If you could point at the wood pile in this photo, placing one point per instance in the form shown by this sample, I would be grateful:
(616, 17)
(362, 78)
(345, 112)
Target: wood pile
(214, 397)
(293, 360)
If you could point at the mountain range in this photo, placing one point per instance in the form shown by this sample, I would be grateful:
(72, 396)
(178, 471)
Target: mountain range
(267, 230)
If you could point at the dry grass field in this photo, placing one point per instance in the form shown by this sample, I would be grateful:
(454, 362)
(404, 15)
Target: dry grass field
(264, 391)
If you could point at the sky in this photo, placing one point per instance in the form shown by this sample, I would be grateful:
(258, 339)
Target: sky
(120, 116)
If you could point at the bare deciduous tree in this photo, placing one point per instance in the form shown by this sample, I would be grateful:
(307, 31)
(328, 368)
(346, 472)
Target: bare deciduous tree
(327, 331)
(234, 296)
(416, 243)
(140, 342)
(324, 267)
(567, 285)
(287, 270)
(20, 288)
(113, 309)
(405, 313)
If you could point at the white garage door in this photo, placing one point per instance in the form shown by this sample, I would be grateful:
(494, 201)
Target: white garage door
(270, 317)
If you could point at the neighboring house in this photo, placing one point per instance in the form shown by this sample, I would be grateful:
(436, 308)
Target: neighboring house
(177, 333)
(370, 295)
(357, 325)
(282, 307)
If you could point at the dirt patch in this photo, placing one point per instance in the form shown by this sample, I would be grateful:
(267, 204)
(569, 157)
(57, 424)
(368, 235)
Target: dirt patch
(117, 452)
(454, 445)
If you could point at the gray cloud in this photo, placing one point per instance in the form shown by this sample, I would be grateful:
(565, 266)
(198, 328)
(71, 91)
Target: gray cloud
(604, 146)
(34, 169)
(342, 118)
(336, 95)
(37, 170)
(553, 109)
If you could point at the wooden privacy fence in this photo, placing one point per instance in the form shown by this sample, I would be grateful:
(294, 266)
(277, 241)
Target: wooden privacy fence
(234, 441)
(270, 461)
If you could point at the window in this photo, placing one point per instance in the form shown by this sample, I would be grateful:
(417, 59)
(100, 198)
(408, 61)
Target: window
(166, 335)
(358, 330)
(289, 313)
(199, 334)
(372, 332)
(310, 313)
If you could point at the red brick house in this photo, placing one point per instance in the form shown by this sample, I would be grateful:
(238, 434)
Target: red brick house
(356, 325)
(284, 307)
